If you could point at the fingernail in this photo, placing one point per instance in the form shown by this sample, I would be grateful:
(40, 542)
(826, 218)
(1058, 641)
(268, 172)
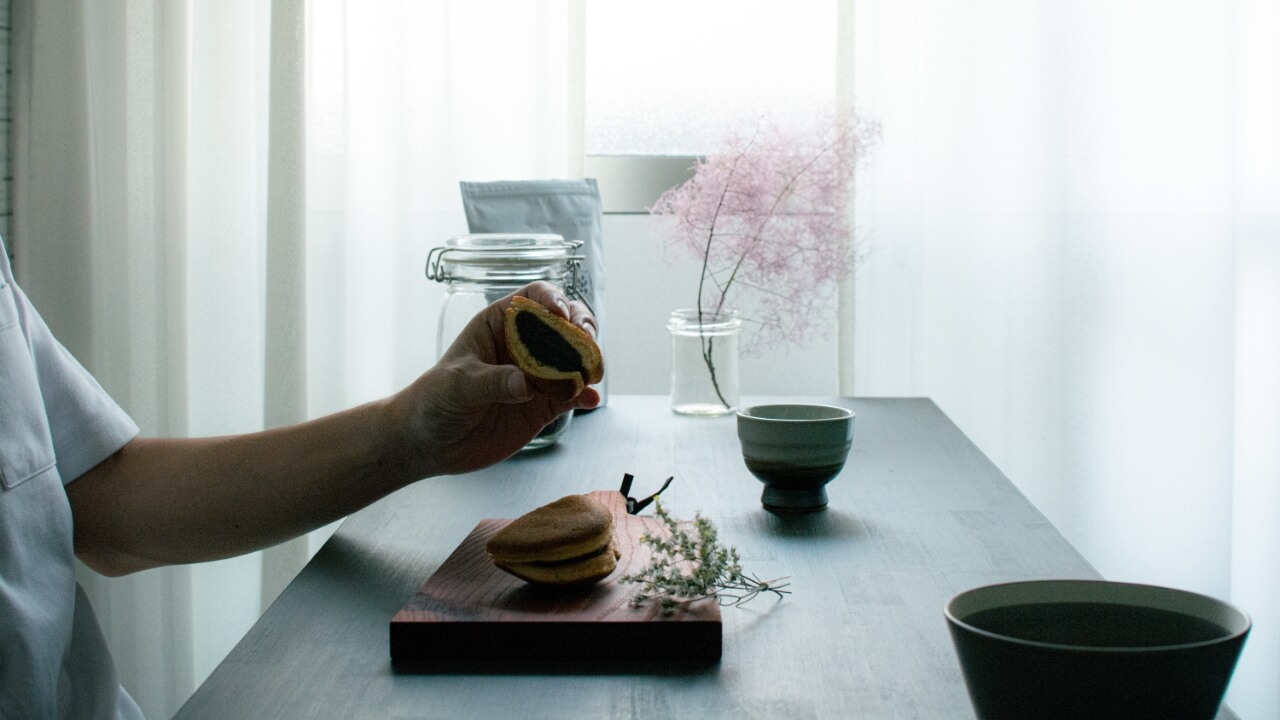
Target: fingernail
(517, 388)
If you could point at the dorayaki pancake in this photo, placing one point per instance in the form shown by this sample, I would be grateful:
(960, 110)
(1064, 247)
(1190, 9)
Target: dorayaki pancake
(545, 345)
(567, 541)
(589, 569)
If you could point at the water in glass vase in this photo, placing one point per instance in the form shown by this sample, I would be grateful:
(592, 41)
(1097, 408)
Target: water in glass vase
(704, 362)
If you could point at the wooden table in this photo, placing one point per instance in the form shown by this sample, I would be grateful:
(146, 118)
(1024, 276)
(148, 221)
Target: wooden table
(917, 515)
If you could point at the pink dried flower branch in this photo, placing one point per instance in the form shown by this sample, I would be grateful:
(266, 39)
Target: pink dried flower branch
(770, 213)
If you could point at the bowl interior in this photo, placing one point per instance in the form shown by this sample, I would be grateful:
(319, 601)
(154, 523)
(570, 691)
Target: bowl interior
(1096, 614)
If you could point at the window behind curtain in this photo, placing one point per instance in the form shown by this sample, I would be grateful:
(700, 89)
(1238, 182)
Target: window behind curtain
(666, 79)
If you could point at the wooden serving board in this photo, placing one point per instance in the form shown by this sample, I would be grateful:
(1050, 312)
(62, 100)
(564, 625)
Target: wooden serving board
(469, 611)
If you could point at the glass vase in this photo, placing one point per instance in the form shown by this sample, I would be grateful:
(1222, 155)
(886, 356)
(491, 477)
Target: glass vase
(704, 362)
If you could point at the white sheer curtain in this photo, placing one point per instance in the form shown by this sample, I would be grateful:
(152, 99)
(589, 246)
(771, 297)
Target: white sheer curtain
(223, 208)
(1075, 216)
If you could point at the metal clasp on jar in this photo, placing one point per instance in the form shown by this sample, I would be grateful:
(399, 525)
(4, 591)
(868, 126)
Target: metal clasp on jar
(438, 261)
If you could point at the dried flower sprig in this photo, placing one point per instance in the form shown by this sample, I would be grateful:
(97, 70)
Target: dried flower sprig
(689, 564)
(769, 215)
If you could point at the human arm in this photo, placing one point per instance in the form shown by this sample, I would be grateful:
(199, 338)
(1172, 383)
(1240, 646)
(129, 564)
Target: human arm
(163, 501)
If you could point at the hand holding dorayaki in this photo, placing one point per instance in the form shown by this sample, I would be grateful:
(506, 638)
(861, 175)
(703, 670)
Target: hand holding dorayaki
(474, 407)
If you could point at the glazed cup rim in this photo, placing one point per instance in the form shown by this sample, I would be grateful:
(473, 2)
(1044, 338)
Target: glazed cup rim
(837, 413)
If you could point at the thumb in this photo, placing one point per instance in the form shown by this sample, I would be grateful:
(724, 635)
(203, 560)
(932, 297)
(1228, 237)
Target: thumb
(501, 384)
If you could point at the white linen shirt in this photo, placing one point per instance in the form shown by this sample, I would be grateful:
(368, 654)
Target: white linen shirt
(56, 422)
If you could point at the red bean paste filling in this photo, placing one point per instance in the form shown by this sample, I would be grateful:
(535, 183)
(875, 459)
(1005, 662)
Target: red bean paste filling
(546, 345)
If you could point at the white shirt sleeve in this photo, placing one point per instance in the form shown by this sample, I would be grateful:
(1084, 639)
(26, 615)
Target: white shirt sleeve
(85, 424)
(56, 422)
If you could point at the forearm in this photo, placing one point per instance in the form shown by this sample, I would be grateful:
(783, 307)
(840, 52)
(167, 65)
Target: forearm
(160, 502)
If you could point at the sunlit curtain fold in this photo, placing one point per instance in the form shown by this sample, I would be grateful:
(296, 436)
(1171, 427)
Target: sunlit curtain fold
(1075, 219)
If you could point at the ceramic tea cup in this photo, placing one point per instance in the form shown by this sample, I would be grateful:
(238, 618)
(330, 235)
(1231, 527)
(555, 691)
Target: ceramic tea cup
(795, 450)
(1094, 649)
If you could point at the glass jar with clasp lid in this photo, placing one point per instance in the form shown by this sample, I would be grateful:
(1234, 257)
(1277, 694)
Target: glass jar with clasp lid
(481, 268)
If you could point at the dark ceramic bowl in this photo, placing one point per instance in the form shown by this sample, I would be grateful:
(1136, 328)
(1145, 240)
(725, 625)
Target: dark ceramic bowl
(795, 450)
(1094, 649)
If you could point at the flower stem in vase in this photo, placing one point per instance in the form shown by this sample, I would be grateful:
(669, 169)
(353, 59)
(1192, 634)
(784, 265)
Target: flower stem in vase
(708, 344)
